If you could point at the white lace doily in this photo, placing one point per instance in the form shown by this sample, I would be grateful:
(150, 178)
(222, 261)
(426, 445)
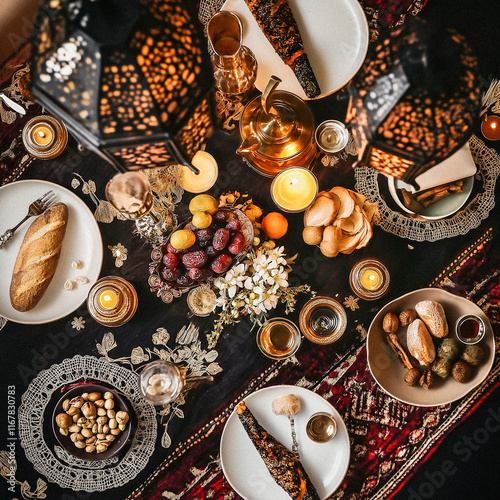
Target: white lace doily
(470, 217)
(64, 469)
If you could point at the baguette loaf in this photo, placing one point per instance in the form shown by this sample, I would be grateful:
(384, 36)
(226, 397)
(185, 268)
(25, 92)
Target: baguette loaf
(419, 342)
(38, 257)
(432, 314)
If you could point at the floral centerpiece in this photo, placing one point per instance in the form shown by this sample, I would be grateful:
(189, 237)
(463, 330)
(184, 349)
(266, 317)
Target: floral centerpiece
(256, 285)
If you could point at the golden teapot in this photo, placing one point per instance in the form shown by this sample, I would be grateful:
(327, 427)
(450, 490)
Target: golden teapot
(277, 131)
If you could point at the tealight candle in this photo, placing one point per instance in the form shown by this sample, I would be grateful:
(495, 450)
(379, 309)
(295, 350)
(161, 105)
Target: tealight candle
(42, 134)
(108, 299)
(369, 279)
(199, 183)
(45, 137)
(490, 127)
(112, 301)
(294, 189)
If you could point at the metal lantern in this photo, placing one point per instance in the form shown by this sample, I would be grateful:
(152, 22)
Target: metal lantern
(415, 101)
(131, 79)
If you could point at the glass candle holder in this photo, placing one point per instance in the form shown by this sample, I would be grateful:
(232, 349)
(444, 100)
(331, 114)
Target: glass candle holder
(294, 189)
(45, 137)
(112, 301)
(322, 320)
(278, 338)
(331, 136)
(490, 127)
(369, 279)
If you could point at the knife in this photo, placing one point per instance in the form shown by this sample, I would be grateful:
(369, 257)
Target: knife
(16, 107)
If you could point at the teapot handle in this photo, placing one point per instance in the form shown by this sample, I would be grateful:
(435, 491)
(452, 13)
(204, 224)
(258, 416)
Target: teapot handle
(265, 98)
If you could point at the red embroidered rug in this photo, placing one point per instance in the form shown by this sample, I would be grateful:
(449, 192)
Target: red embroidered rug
(389, 439)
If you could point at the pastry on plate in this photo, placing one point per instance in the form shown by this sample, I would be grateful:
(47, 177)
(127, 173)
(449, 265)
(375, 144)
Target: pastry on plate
(277, 22)
(283, 465)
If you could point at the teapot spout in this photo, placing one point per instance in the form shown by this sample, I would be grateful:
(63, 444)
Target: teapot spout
(248, 146)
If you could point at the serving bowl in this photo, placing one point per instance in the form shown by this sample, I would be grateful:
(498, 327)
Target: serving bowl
(71, 395)
(387, 369)
(167, 290)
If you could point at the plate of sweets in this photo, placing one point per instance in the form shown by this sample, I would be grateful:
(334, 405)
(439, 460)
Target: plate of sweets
(419, 351)
(208, 244)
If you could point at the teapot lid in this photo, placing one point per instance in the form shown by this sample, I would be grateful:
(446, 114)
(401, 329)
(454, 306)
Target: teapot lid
(277, 125)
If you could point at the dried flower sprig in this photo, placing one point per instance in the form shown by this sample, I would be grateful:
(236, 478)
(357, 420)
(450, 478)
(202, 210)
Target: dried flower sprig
(255, 287)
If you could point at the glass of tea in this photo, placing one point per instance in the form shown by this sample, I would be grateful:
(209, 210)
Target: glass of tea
(278, 338)
(323, 320)
(470, 329)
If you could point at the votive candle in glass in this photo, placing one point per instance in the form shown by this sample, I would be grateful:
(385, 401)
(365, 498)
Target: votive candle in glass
(369, 279)
(45, 137)
(205, 179)
(490, 127)
(294, 189)
(112, 301)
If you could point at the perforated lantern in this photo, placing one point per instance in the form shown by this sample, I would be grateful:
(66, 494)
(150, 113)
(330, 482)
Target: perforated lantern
(130, 78)
(415, 101)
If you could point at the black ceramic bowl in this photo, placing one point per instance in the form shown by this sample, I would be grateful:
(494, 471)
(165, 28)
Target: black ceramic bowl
(120, 405)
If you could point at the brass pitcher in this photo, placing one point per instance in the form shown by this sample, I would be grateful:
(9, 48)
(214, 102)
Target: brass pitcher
(234, 64)
(277, 131)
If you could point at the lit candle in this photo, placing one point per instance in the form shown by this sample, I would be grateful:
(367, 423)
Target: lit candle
(42, 134)
(199, 183)
(294, 189)
(370, 279)
(108, 299)
(490, 127)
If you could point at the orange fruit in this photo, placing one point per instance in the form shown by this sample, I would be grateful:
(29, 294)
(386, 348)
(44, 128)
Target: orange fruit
(274, 225)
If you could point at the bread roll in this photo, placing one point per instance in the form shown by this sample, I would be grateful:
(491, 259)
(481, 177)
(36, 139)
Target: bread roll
(432, 314)
(38, 257)
(420, 343)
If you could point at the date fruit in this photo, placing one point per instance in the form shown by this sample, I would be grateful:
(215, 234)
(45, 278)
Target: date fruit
(212, 252)
(171, 274)
(221, 238)
(171, 260)
(184, 280)
(171, 249)
(204, 235)
(221, 215)
(199, 274)
(234, 225)
(197, 258)
(237, 243)
(221, 263)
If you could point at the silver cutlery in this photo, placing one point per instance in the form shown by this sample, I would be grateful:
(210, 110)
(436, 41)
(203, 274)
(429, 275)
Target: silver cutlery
(13, 105)
(36, 208)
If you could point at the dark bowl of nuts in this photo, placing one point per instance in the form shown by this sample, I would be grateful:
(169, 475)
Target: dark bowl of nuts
(92, 422)
(193, 256)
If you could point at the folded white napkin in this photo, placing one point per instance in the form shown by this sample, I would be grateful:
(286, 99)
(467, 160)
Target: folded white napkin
(457, 166)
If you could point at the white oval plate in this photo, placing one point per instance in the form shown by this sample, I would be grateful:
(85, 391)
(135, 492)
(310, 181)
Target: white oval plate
(438, 210)
(325, 463)
(389, 372)
(335, 36)
(82, 242)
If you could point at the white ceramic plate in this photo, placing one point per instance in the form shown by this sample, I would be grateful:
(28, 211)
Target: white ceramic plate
(82, 242)
(438, 210)
(325, 463)
(388, 370)
(335, 36)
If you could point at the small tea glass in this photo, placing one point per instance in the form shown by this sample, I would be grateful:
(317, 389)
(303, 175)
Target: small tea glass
(278, 338)
(161, 381)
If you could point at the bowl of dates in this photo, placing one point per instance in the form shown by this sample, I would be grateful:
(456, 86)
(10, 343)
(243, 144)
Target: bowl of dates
(211, 253)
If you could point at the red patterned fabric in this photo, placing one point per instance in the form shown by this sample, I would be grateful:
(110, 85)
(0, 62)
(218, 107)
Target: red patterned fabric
(389, 439)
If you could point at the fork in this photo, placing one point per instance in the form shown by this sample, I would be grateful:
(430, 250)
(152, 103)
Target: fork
(36, 208)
